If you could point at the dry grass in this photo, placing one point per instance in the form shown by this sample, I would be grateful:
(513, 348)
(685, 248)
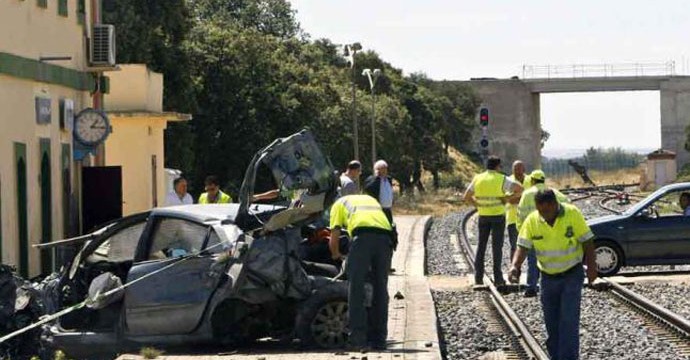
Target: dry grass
(444, 200)
(435, 203)
(622, 176)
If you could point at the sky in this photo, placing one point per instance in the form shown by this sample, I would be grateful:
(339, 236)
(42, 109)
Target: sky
(458, 40)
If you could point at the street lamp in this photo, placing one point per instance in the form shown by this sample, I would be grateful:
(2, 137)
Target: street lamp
(349, 52)
(372, 76)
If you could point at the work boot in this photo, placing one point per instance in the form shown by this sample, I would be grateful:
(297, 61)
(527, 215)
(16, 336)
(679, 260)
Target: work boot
(530, 293)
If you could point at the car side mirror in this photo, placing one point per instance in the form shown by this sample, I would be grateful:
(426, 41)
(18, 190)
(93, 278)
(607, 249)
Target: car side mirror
(645, 213)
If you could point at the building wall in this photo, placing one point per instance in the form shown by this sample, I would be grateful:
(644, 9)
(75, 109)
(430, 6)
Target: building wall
(135, 88)
(132, 144)
(35, 32)
(17, 119)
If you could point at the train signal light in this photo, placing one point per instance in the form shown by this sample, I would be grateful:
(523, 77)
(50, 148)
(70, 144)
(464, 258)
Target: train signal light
(484, 117)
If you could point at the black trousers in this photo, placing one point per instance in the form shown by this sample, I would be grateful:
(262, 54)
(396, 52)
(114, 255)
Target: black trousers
(494, 226)
(369, 252)
(389, 214)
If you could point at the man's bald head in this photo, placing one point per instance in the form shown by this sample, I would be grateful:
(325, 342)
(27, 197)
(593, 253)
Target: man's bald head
(518, 168)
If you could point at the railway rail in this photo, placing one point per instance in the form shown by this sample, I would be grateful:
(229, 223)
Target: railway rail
(526, 346)
(668, 326)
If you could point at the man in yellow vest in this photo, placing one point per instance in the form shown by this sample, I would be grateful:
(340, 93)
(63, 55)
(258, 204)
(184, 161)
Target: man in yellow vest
(560, 238)
(525, 207)
(213, 194)
(489, 192)
(518, 176)
(373, 242)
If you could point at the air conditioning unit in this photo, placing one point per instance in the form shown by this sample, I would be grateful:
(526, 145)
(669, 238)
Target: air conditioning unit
(103, 45)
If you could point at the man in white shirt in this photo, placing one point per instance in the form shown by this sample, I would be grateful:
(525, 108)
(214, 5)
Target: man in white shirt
(179, 196)
(380, 187)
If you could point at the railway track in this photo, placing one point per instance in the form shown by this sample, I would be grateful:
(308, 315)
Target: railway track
(664, 323)
(661, 322)
(525, 345)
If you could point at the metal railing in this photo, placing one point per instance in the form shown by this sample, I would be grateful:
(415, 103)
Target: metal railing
(598, 70)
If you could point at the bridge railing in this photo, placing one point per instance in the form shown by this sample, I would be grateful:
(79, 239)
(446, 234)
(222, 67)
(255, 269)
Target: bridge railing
(598, 70)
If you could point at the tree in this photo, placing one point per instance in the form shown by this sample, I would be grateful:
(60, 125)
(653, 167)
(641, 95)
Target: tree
(153, 33)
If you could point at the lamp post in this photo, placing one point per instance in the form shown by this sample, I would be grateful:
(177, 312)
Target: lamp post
(349, 51)
(372, 76)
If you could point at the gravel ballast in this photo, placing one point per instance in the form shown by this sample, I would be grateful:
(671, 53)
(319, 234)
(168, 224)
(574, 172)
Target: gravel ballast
(672, 296)
(609, 330)
(464, 325)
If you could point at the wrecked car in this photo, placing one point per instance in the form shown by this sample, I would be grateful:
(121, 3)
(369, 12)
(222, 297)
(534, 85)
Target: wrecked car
(220, 274)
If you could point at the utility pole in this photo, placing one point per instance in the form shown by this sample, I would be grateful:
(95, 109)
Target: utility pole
(349, 51)
(372, 76)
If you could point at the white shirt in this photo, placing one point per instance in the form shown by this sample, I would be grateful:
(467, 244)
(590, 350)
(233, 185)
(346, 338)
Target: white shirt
(173, 199)
(386, 194)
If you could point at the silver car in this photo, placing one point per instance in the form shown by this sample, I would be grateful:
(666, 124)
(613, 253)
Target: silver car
(220, 274)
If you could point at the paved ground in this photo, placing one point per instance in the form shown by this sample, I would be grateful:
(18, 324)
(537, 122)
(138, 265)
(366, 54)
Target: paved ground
(412, 321)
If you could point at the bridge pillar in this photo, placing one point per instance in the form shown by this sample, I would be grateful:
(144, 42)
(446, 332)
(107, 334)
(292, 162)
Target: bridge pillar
(675, 117)
(514, 130)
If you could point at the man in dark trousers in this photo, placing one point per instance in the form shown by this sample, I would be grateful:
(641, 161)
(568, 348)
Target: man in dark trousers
(489, 192)
(373, 242)
(562, 240)
(380, 187)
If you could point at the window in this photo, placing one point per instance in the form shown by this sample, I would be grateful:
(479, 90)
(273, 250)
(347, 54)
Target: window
(121, 246)
(22, 220)
(81, 11)
(62, 8)
(668, 205)
(176, 237)
(42, 3)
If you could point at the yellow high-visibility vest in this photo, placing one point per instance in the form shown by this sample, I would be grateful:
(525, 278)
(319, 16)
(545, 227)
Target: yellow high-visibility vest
(527, 205)
(358, 211)
(221, 198)
(558, 247)
(488, 191)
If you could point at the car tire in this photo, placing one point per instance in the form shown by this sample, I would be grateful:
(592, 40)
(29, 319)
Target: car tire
(609, 257)
(322, 320)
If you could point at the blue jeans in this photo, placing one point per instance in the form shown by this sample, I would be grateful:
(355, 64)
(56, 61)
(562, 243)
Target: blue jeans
(532, 271)
(560, 297)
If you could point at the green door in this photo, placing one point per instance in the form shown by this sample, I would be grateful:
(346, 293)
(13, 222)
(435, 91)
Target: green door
(22, 215)
(46, 207)
(66, 160)
(1, 219)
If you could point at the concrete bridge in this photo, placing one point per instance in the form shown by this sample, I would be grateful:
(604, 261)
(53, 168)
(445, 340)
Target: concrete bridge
(515, 131)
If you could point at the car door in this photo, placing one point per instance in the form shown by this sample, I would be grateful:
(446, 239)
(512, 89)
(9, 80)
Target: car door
(660, 232)
(173, 299)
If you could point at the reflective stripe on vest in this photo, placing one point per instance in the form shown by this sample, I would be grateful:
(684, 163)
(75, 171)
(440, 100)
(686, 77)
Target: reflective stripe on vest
(488, 192)
(559, 267)
(363, 211)
(556, 252)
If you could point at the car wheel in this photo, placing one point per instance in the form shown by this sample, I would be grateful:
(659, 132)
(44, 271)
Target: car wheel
(322, 320)
(609, 258)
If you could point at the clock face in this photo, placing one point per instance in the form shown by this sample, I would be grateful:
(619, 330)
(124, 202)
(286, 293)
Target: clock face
(91, 127)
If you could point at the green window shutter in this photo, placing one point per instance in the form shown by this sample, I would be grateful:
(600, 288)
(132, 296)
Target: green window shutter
(81, 11)
(42, 3)
(46, 205)
(22, 208)
(62, 8)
